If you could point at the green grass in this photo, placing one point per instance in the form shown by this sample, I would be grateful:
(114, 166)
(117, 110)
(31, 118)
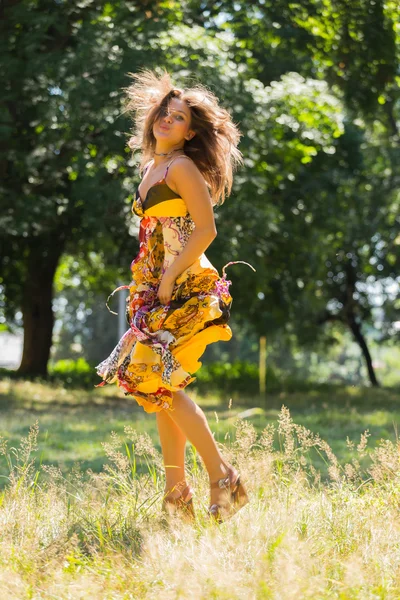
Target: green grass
(82, 480)
(73, 423)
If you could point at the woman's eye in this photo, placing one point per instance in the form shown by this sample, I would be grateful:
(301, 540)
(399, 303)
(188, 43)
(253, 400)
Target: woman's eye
(165, 113)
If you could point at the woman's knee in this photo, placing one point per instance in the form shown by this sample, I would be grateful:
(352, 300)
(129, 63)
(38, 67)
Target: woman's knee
(182, 400)
(177, 399)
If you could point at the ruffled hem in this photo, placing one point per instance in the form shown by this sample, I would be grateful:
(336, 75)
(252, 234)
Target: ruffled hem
(160, 352)
(153, 394)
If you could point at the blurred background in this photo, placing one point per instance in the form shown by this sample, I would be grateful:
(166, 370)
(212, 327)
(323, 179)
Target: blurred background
(304, 399)
(313, 87)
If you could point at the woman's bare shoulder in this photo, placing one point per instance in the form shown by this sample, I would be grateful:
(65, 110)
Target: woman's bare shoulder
(184, 166)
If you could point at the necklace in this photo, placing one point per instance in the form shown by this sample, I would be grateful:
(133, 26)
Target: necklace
(167, 153)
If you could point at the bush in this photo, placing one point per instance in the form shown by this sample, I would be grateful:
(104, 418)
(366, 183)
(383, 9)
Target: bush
(240, 376)
(74, 373)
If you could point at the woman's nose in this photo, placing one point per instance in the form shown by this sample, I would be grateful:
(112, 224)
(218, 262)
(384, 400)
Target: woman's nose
(167, 117)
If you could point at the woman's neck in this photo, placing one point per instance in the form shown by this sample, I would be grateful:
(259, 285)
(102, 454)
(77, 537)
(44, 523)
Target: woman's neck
(162, 155)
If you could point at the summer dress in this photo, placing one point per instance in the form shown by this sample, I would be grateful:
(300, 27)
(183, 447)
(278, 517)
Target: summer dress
(160, 351)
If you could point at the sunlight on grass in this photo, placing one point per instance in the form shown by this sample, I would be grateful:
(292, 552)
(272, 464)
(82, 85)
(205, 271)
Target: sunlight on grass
(88, 512)
(74, 422)
(299, 537)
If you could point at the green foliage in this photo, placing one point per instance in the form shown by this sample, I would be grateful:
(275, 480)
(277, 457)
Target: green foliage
(314, 89)
(73, 373)
(354, 45)
(227, 377)
(66, 174)
(320, 203)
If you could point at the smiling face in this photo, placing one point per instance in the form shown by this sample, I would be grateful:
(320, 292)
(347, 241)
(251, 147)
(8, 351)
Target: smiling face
(173, 126)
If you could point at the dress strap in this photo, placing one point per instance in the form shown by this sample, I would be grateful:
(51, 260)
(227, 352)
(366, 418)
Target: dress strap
(172, 160)
(147, 166)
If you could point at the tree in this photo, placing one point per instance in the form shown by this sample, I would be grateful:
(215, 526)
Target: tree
(63, 156)
(336, 216)
(307, 209)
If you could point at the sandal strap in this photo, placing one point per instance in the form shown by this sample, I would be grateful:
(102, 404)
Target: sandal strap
(225, 482)
(186, 496)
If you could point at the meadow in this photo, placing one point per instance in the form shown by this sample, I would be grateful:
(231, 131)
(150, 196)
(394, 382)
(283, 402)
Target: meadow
(82, 482)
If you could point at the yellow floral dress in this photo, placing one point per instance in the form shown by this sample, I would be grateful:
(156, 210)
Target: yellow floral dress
(160, 351)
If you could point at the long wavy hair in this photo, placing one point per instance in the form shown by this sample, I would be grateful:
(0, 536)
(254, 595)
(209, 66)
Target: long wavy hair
(214, 147)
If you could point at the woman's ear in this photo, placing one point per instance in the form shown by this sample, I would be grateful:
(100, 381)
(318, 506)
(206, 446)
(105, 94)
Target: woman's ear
(190, 135)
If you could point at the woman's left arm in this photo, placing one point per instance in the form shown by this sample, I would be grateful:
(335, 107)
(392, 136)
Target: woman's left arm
(190, 185)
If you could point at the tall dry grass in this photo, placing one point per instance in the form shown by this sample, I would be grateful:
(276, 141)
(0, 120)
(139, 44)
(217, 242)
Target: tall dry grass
(101, 535)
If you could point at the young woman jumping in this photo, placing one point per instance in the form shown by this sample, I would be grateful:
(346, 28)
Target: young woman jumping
(178, 303)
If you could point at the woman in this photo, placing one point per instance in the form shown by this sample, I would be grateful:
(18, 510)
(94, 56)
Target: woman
(177, 301)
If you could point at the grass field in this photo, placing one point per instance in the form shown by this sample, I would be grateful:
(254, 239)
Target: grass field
(82, 481)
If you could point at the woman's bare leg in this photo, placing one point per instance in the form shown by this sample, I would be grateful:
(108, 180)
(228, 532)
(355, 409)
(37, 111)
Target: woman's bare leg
(192, 421)
(173, 444)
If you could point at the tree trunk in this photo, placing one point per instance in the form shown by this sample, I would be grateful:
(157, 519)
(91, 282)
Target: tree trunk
(43, 255)
(350, 318)
(356, 331)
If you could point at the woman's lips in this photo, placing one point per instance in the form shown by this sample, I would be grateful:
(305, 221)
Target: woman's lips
(164, 128)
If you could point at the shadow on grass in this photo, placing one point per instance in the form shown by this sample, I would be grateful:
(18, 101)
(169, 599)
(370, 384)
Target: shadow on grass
(73, 423)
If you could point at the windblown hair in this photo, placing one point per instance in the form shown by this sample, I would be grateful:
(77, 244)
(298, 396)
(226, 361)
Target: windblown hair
(214, 147)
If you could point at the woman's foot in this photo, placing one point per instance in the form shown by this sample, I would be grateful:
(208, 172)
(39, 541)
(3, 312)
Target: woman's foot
(227, 495)
(179, 501)
(219, 495)
(174, 490)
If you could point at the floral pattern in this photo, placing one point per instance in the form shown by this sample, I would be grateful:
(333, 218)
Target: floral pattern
(159, 352)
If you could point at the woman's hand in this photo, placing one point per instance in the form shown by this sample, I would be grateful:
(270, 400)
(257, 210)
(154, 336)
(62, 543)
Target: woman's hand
(165, 289)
